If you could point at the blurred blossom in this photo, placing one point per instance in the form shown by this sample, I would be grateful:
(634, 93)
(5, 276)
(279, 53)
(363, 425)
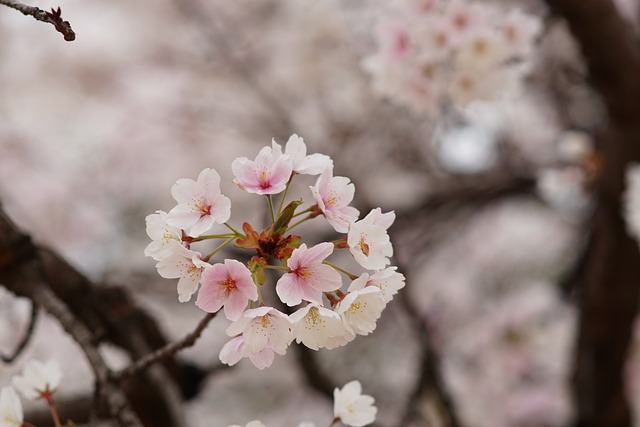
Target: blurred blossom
(467, 150)
(565, 190)
(575, 146)
(631, 197)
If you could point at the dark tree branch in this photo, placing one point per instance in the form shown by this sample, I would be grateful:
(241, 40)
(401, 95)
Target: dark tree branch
(54, 17)
(110, 314)
(167, 351)
(610, 282)
(429, 381)
(26, 338)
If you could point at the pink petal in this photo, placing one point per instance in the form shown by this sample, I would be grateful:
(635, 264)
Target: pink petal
(289, 290)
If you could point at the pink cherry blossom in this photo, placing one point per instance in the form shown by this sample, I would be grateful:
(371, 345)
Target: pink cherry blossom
(308, 278)
(333, 195)
(267, 174)
(200, 204)
(229, 285)
(184, 264)
(261, 327)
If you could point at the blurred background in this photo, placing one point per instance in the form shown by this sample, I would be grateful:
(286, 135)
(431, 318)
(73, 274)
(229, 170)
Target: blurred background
(493, 197)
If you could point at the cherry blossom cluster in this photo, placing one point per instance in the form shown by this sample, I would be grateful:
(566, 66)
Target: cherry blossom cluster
(350, 407)
(433, 52)
(327, 316)
(38, 382)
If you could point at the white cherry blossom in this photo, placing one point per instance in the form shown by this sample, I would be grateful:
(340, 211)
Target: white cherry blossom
(235, 350)
(362, 306)
(162, 235)
(38, 380)
(369, 242)
(388, 280)
(304, 164)
(11, 413)
(315, 325)
(352, 407)
(200, 204)
(183, 264)
(261, 327)
(254, 423)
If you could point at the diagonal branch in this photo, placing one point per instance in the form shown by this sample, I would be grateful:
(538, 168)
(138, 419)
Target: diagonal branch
(164, 352)
(54, 17)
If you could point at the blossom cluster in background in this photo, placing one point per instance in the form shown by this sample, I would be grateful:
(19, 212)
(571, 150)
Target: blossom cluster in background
(260, 331)
(432, 52)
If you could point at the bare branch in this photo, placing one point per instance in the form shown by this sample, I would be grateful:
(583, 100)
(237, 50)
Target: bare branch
(33, 318)
(54, 17)
(167, 351)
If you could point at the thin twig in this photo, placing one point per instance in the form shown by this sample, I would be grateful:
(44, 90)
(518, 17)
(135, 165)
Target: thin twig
(167, 351)
(54, 17)
(33, 317)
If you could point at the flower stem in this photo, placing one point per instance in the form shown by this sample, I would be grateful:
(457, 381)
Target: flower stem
(341, 270)
(284, 195)
(212, 236)
(54, 413)
(236, 232)
(219, 248)
(270, 200)
(276, 267)
(302, 212)
(308, 217)
(335, 421)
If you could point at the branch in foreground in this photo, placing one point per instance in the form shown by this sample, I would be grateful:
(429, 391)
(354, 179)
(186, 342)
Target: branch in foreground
(54, 17)
(167, 351)
(33, 317)
(105, 311)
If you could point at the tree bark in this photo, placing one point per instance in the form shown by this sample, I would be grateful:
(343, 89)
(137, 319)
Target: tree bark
(610, 285)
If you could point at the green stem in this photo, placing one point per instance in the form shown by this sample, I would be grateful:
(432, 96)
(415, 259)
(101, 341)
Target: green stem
(308, 217)
(284, 195)
(341, 270)
(276, 267)
(219, 248)
(273, 216)
(236, 232)
(212, 236)
(302, 212)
